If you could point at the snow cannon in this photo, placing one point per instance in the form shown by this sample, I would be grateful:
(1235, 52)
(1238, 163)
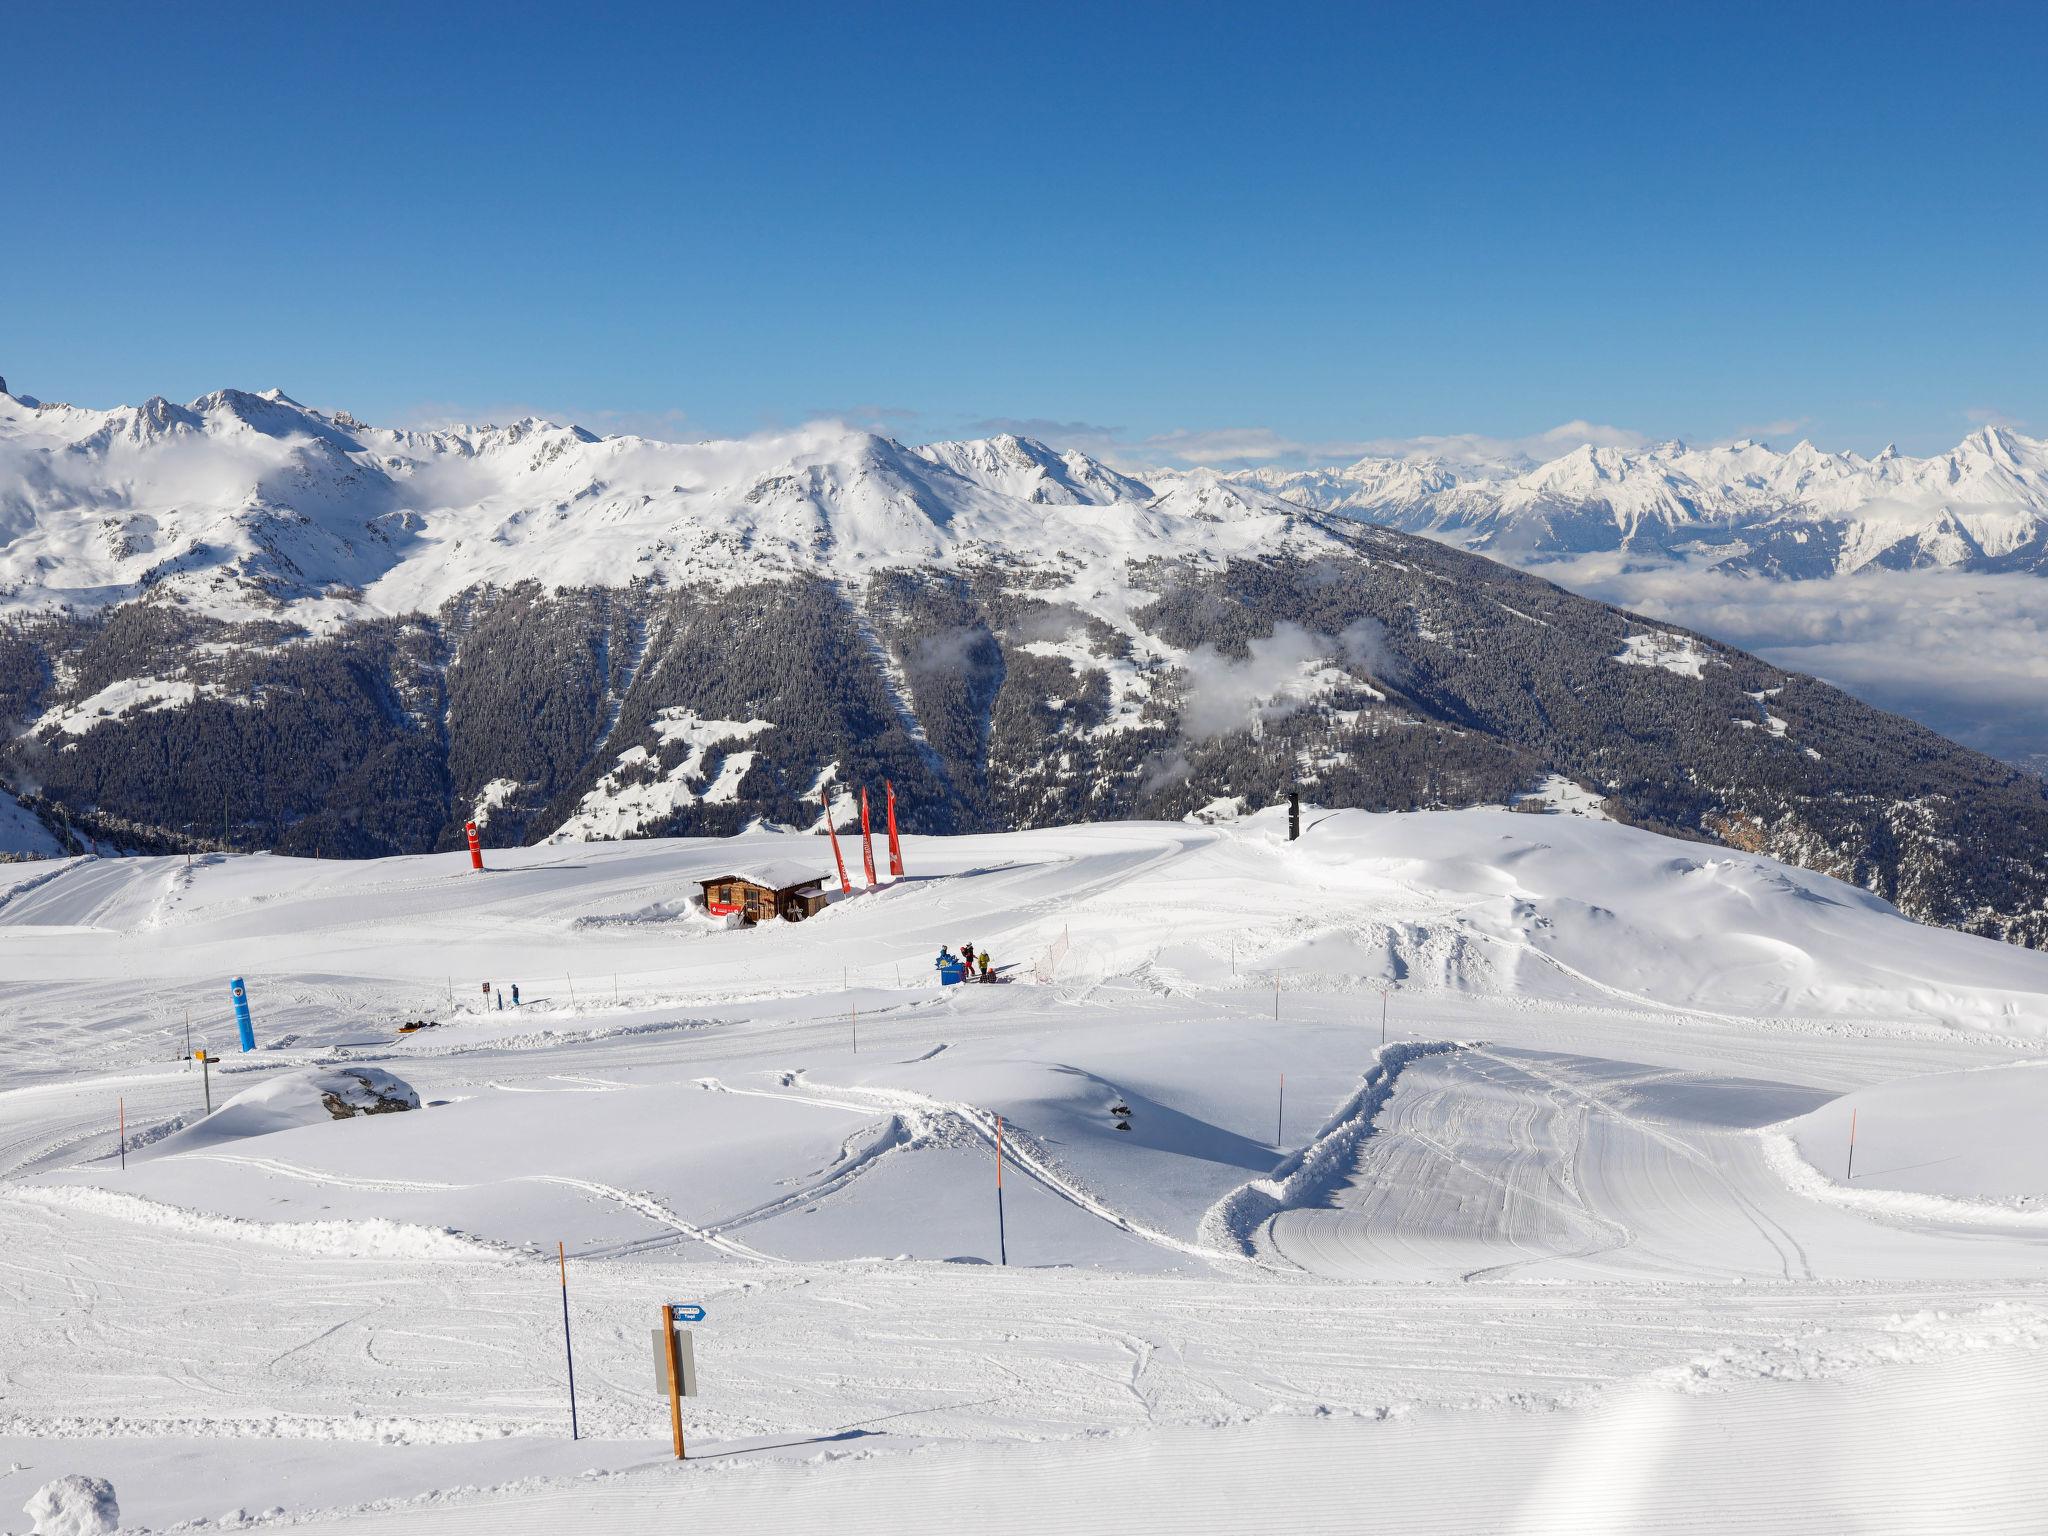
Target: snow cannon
(243, 1026)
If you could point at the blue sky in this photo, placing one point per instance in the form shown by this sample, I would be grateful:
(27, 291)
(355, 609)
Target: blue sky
(1197, 231)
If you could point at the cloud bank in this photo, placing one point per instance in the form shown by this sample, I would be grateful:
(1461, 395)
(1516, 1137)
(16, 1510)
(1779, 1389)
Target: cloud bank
(1965, 654)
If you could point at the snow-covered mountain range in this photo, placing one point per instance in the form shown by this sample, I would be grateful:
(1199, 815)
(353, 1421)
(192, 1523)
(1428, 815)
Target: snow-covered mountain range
(1741, 507)
(243, 622)
(255, 497)
(245, 503)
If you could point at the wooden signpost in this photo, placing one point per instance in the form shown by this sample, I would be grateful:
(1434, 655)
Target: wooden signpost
(675, 1362)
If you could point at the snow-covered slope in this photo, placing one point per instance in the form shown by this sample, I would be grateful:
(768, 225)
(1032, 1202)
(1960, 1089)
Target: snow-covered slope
(22, 834)
(1446, 1166)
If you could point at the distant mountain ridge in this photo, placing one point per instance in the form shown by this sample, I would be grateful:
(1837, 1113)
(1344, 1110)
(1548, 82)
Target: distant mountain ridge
(1740, 507)
(243, 622)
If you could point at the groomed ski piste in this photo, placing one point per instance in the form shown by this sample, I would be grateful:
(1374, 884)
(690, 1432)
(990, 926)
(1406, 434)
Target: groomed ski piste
(1576, 1249)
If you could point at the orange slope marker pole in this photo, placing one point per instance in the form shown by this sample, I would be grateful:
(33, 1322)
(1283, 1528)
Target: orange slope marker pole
(1852, 1149)
(825, 799)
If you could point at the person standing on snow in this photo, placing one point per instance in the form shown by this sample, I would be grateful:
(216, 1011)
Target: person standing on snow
(515, 994)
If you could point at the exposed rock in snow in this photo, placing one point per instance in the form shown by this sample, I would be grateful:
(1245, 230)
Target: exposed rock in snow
(350, 1091)
(311, 1096)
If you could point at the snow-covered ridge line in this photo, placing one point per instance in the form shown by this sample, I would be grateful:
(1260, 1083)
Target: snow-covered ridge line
(1232, 1224)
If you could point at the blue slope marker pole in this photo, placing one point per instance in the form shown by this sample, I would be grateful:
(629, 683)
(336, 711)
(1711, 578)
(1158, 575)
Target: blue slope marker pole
(1002, 1236)
(240, 994)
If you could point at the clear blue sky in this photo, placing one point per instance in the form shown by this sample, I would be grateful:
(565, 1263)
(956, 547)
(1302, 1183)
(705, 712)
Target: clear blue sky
(1329, 225)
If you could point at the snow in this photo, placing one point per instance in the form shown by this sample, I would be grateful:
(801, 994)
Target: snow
(1566, 797)
(1571, 1249)
(22, 834)
(241, 504)
(494, 796)
(1965, 1138)
(293, 1099)
(1987, 498)
(117, 699)
(636, 795)
(1673, 653)
(74, 1506)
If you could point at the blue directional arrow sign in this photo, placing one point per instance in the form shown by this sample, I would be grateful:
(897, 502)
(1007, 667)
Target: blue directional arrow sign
(685, 1312)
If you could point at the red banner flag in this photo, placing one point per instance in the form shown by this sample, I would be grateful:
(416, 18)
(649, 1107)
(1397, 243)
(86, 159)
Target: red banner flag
(825, 799)
(867, 839)
(895, 848)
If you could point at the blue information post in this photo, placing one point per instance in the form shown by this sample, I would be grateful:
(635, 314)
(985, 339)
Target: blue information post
(242, 1024)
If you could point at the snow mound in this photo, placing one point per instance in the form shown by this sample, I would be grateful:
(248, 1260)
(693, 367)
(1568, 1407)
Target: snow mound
(1955, 1146)
(74, 1506)
(309, 1097)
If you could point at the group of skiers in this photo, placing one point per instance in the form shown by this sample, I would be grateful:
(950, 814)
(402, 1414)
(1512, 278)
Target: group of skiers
(967, 959)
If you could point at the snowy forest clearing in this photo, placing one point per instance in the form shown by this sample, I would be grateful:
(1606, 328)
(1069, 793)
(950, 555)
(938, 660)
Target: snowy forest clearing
(1572, 1251)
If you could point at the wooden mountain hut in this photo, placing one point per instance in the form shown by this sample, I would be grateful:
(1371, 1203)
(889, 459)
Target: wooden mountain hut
(782, 888)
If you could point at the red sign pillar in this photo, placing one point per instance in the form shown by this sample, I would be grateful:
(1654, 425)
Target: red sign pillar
(867, 840)
(895, 848)
(476, 850)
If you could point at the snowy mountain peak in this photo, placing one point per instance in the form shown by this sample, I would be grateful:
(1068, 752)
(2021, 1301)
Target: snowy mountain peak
(1029, 470)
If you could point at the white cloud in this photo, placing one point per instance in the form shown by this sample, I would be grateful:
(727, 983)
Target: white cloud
(446, 415)
(1221, 447)
(1783, 426)
(1963, 653)
(1240, 447)
(1226, 693)
(1988, 416)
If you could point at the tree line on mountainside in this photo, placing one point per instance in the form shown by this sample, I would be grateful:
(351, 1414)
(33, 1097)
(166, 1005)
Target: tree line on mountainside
(1444, 680)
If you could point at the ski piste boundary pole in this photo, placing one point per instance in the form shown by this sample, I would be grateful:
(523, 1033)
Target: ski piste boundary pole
(562, 1258)
(1002, 1236)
